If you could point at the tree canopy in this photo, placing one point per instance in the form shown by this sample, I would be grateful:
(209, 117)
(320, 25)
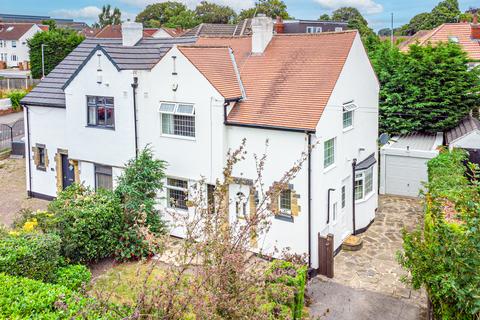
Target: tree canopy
(355, 20)
(271, 8)
(427, 89)
(159, 14)
(209, 12)
(59, 42)
(445, 12)
(108, 17)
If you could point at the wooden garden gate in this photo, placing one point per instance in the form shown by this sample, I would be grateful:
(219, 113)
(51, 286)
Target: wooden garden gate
(325, 255)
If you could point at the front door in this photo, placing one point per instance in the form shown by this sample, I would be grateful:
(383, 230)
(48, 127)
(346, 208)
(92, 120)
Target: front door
(68, 172)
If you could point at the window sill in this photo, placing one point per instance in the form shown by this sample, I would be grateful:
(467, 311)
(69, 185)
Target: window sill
(284, 217)
(329, 168)
(41, 168)
(365, 199)
(345, 130)
(178, 137)
(100, 127)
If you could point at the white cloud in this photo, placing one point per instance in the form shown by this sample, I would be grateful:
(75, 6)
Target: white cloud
(365, 6)
(235, 4)
(90, 12)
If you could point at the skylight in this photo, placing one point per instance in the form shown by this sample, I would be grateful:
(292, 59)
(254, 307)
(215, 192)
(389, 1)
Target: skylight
(453, 39)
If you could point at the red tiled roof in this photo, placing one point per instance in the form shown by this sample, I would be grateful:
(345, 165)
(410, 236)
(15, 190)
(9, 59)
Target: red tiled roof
(14, 31)
(174, 32)
(149, 31)
(43, 27)
(291, 83)
(462, 31)
(115, 32)
(216, 64)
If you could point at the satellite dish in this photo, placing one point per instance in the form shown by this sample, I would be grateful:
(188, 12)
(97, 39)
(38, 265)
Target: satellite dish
(384, 138)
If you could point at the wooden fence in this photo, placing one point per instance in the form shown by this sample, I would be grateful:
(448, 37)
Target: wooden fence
(17, 83)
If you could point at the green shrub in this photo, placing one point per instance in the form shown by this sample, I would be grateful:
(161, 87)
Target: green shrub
(444, 257)
(89, 223)
(137, 188)
(34, 256)
(22, 298)
(286, 287)
(73, 277)
(15, 96)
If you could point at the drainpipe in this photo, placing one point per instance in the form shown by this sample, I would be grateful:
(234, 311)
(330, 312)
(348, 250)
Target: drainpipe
(29, 191)
(328, 204)
(309, 178)
(354, 165)
(134, 90)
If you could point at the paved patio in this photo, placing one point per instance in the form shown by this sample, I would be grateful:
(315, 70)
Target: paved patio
(373, 271)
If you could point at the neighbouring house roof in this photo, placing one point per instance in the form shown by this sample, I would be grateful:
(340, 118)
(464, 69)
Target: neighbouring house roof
(49, 92)
(175, 32)
(218, 66)
(14, 31)
(465, 127)
(43, 27)
(115, 32)
(416, 141)
(242, 28)
(446, 32)
(89, 32)
(290, 84)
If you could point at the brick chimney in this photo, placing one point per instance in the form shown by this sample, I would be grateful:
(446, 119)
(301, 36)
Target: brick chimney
(132, 32)
(279, 25)
(475, 28)
(262, 33)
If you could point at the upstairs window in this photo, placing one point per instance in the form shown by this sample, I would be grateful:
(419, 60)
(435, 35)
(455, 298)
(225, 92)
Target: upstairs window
(178, 119)
(177, 193)
(329, 153)
(100, 112)
(348, 113)
(103, 177)
(14, 44)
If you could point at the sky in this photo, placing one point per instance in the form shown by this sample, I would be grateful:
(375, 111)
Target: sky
(377, 12)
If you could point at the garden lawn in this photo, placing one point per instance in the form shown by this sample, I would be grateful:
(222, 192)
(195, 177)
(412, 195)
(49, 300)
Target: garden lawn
(124, 281)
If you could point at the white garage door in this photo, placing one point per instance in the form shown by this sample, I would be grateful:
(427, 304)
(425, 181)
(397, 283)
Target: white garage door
(404, 175)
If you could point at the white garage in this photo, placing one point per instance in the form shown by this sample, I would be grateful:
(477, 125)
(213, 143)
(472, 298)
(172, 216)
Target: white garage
(403, 163)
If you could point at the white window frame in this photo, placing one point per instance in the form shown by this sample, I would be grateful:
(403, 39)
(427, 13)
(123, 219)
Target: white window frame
(334, 147)
(314, 29)
(349, 126)
(285, 211)
(362, 176)
(338, 29)
(175, 111)
(169, 187)
(13, 57)
(344, 197)
(14, 43)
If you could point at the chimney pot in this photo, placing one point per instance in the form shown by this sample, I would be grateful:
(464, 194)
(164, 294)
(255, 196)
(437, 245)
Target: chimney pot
(475, 28)
(132, 32)
(262, 33)
(279, 25)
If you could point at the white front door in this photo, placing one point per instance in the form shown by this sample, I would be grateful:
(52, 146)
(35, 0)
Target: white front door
(340, 212)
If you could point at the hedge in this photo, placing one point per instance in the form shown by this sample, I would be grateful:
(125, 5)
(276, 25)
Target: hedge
(73, 277)
(23, 298)
(31, 255)
(444, 257)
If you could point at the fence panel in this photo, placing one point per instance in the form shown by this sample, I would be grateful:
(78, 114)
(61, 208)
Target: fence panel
(5, 137)
(12, 83)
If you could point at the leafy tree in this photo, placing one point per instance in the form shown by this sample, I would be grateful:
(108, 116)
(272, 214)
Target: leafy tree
(355, 20)
(209, 12)
(271, 8)
(428, 89)
(109, 17)
(185, 20)
(446, 11)
(52, 24)
(324, 17)
(160, 13)
(385, 32)
(58, 44)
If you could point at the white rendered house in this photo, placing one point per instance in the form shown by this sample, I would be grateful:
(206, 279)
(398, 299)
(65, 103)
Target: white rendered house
(13, 42)
(193, 99)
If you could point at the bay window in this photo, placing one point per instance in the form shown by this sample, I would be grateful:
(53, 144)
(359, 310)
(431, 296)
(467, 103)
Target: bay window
(363, 183)
(178, 119)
